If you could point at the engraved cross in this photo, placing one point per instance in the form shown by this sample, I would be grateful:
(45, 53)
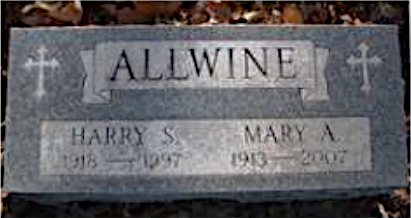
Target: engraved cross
(366, 87)
(41, 64)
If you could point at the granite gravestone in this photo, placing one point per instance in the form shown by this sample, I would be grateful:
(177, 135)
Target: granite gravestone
(154, 113)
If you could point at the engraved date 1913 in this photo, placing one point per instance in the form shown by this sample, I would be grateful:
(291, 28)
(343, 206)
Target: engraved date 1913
(260, 159)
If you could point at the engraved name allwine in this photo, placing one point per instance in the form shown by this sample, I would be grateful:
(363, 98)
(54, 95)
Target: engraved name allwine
(178, 64)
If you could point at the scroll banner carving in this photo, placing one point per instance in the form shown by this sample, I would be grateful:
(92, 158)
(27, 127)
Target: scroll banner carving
(138, 65)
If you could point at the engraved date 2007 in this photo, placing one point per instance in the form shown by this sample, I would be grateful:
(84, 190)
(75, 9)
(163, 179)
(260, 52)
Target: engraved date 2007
(261, 159)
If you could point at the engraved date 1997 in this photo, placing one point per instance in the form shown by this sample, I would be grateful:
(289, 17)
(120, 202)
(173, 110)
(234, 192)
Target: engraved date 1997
(89, 161)
(150, 161)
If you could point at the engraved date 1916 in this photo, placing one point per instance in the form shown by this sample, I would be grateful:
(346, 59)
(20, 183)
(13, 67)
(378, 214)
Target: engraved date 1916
(80, 161)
